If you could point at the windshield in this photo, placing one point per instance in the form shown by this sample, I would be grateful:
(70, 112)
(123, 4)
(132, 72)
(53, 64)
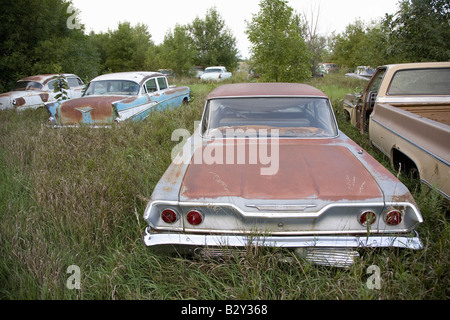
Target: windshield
(213, 70)
(27, 85)
(291, 117)
(111, 87)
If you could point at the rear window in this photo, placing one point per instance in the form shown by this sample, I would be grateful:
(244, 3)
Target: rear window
(421, 82)
(298, 117)
(27, 85)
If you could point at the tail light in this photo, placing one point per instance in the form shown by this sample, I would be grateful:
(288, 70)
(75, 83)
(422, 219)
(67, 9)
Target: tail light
(169, 216)
(393, 217)
(367, 217)
(194, 217)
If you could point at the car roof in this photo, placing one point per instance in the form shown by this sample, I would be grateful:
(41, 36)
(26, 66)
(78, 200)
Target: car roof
(264, 90)
(138, 76)
(45, 77)
(417, 65)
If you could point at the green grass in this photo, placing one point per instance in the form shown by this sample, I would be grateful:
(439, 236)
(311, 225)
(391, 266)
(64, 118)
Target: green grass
(75, 196)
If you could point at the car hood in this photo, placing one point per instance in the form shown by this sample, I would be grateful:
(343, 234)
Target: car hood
(89, 110)
(304, 171)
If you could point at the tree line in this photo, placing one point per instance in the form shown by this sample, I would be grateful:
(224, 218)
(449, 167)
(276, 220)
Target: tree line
(36, 37)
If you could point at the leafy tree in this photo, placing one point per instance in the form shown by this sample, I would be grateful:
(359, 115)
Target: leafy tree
(125, 48)
(35, 37)
(420, 31)
(215, 43)
(177, 51)
(360, 44)
(60, 87)
(278, 49)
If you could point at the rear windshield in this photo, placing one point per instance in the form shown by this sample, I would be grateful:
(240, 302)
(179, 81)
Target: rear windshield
(290, 117)
(421, 82)
(27, 85)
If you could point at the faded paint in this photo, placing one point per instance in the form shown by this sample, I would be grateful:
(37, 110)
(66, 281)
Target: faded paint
(33, 99)
(265, 89)
(75, 111)
(320, 190)
(417, 126)
(106, 109)
(305, 171)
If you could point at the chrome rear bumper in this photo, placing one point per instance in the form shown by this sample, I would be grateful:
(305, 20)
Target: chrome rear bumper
(409, 241)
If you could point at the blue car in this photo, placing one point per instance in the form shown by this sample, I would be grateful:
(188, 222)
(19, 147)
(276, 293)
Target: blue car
(117, 97)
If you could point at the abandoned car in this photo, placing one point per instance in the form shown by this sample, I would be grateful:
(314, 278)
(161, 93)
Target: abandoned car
(218, 73)
(268, 166)
(405, 108)
(34, 91)
(118, 97)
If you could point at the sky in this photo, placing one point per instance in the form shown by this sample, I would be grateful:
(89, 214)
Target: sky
(163, 15)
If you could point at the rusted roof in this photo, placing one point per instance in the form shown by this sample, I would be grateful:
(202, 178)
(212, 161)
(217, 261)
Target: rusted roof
(44, 77)
(265, 89)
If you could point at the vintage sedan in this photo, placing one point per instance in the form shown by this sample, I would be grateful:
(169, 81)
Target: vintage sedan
(268, 166)
(118, 97)
(33, 92)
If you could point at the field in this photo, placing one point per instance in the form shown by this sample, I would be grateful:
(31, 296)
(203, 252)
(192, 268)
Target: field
(76, 196)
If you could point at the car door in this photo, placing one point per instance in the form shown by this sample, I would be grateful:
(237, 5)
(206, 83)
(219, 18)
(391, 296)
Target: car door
(157, 90)
(368, 100)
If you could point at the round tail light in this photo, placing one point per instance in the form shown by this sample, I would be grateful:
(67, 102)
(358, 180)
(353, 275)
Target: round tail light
(169, 216)
(367, 217)
(393, 217)
(194, 217)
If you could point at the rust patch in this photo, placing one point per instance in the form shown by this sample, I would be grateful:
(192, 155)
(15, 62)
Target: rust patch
(44, 97)
(19, 102)
(129, 100)
(100, 109)
(305, 171)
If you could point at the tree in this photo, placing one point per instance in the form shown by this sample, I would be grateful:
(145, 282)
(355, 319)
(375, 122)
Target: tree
(35, 37)
(215, 43)
(125, 48)
(360, 44)
(420, 31)
(177, 51)
(278, 49)
(315, 42)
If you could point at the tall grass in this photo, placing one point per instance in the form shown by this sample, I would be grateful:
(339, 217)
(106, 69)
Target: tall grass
(75, 196)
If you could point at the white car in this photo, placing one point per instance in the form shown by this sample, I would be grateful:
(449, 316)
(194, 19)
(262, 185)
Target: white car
(34, 91)
(216, 74)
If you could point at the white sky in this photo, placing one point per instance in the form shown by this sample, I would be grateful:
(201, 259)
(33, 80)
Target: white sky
(162, 15)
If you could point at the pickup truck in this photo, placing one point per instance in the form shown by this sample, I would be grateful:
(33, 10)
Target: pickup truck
(216, 74)
(405, 108)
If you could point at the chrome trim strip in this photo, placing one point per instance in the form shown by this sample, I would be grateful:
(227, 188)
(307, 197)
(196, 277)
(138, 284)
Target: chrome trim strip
(280, 207)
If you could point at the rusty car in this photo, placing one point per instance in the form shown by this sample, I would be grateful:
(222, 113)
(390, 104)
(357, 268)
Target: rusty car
(34, 91)
(118, 97)
(267, 166)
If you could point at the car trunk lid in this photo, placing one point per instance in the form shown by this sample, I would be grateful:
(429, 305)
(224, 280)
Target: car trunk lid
(301, 172)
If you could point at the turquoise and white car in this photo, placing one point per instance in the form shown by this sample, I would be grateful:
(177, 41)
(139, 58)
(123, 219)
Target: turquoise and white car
(117, 97)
